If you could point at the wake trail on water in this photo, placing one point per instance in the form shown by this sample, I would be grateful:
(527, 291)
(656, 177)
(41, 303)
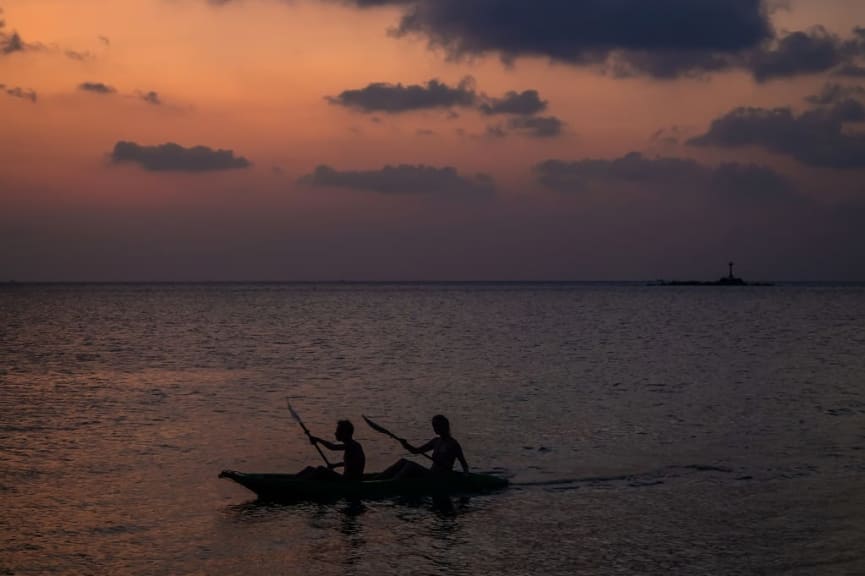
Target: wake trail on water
(638, 479)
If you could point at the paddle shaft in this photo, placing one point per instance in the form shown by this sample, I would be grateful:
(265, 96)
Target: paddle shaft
(308, 435)
(385, 431)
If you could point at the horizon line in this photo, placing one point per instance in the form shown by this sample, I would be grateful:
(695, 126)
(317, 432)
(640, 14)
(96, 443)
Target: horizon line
(653, 282)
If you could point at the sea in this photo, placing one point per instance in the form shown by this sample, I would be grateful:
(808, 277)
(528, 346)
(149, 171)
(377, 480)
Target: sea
(645, 430)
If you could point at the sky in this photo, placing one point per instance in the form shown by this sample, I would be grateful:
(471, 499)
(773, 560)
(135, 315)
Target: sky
(283, 140)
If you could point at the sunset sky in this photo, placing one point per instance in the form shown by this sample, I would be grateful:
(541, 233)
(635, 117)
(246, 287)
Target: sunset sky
(431, 139)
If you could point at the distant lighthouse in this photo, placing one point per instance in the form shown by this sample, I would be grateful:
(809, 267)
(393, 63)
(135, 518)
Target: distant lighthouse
(731, 270)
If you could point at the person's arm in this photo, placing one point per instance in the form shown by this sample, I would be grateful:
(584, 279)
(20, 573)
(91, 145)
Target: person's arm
(329, 445)
(462, 458)
(419, 450)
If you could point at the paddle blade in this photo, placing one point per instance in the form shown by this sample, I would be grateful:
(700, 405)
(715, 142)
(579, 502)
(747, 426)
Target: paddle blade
(375, 426)
(378, 428)
(291, 410)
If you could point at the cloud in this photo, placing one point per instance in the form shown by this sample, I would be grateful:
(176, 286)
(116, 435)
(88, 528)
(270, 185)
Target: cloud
(851, 71)
(150, 97)
(662, 39)
(676, 180)
(17, 92)
(798, 53)
(667, 64)
(832, 93)
(176, 158)
(806, 52)
(79, 56)
(397, 98)
(403, 179)
(749, 180)
(537, 126)
(667, 136)
(10, 43)
(97, 88)
(523, 103)
(816, 137)
(567, 176)
(588, 31)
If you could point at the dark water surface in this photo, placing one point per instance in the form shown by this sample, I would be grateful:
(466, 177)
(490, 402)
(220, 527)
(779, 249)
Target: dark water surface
(647, 430)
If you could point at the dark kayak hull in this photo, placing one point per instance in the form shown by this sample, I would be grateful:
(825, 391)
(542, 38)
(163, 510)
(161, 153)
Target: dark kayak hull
(287, 487)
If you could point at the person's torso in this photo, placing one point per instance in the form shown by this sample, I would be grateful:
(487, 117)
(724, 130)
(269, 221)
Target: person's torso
(354, 460)
(444, 454)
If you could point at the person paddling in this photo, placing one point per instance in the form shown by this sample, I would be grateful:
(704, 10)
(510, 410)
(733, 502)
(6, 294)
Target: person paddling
(445, 451)
(353, 462)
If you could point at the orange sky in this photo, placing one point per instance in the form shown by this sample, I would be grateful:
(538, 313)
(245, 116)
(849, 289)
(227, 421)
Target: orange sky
(252, 77)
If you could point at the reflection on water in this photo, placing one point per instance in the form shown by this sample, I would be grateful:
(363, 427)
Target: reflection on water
(644, 431)
(354, 535)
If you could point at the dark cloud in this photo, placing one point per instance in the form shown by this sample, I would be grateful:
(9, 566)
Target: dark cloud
(403, 179)
(816, 137)
(798, 53)
(97, 88)
(567, 176)
(748, 180)
(667, 136)
(667, 64)
(663, 39)
(396, 98)
(523, 103)
(17, 92)
(79, 56)
(10, 43)
(588, 31)
(537, 126)
(173, 157)
(730, 190)
(832, 93)
(808, 52)
(150, 97)
(851, 71)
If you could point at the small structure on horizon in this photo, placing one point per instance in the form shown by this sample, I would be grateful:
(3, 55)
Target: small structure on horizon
(729, 280)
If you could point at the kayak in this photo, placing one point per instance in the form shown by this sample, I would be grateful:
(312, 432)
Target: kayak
(288, 487)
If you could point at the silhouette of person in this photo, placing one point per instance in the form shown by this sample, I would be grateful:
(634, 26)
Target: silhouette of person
(353, 461)
(445, 451)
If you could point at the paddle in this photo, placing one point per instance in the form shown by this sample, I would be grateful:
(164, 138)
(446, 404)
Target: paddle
(306, 431)
(387, 432)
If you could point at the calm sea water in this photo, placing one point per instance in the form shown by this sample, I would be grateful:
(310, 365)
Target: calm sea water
(646, 430)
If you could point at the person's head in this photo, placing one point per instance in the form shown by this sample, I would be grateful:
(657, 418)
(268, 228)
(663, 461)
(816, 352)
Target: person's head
(441, 426)
(344, 430)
